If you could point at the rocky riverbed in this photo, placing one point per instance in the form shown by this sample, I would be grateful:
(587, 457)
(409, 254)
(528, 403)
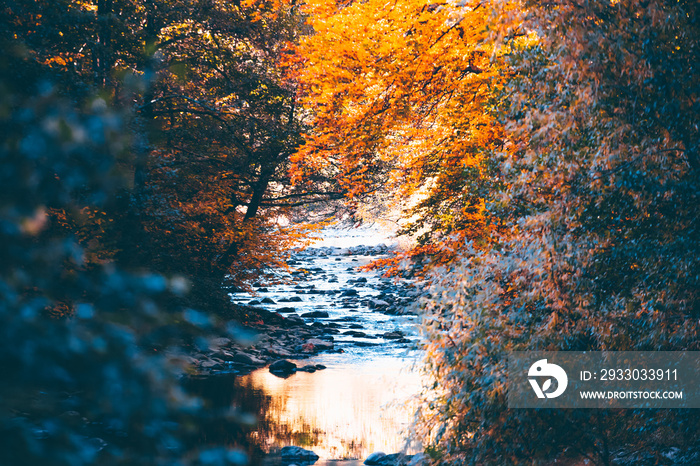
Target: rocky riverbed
(327, 305)
(327, 315)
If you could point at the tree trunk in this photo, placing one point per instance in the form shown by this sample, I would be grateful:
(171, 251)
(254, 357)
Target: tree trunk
(224, 261)
(101, 64)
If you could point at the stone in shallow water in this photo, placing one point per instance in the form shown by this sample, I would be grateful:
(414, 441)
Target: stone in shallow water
(242, 358)
(295, 320)
(315, 314)
(298, 453)
(283, 367)
(377, 304)
(314, 344)
(395, 459)
(374, 457)
(364, 344)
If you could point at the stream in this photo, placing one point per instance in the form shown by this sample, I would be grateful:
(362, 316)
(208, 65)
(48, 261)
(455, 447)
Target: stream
(363, 401)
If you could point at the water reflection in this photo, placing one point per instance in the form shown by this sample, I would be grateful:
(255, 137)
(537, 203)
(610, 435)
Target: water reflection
(358, 405)
(350, 409)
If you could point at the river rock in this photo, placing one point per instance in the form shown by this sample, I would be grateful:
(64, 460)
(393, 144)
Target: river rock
(419, 459)
(286, 310)
(283, 367)
(294, 299)
(314, 345)
(211, 365)
(349, 292)
(295, 320)
(243, 358)
(377, 304)
(268, 301)
(315, 314)
(224, 356)
(374, 457)
(307, 368)
(275, 350)
(392, 335)
(292, 453)
(395, 459)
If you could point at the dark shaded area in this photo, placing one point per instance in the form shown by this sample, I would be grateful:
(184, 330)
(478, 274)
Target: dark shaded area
(119, 194)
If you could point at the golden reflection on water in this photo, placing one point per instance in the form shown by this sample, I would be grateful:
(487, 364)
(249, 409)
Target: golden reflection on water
(344, 412)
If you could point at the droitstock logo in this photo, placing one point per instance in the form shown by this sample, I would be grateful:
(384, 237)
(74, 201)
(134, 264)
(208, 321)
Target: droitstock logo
(545, 371)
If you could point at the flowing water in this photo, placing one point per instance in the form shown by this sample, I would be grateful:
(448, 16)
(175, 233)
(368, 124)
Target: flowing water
(363, 401)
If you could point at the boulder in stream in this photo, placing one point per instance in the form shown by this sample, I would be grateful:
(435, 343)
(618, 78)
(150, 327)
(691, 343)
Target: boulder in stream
(395, 459)
(315, 345)
(374, 457)
(293, 453)
(307, 368)
(377, 304)
(243, 358)
(315, 314)
(283, 367)
(396, 335)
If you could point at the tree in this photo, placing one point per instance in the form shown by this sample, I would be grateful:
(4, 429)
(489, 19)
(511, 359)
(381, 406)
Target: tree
(605, 184)
(92, 337)
(556, 144)
(224, 123)
(397, 95)
(214, 121)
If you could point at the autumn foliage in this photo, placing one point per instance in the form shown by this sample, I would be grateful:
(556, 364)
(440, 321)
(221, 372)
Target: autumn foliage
(543, 156)
(397, 93)
(547, 155)
(213, 121)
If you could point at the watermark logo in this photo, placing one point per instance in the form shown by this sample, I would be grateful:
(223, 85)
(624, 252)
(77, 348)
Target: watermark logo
(543, 369)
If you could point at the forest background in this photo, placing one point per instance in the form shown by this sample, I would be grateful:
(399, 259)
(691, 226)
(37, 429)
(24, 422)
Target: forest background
(543, 155)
